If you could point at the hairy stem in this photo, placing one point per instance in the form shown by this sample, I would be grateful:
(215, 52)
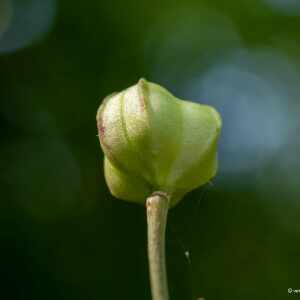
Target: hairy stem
(157, 212)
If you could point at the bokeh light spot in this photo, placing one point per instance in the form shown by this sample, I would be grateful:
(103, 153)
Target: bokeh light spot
(255, 102)
(290, 7)
(5, 15)
(29, 21)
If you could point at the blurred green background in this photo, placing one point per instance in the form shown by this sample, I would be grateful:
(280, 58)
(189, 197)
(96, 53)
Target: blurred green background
(63, 236)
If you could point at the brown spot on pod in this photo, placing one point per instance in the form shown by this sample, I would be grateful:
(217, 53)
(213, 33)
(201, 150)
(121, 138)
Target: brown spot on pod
(142, 90)
(101, 128)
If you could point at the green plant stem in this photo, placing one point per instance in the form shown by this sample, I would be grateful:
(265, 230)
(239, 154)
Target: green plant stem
(157, 212)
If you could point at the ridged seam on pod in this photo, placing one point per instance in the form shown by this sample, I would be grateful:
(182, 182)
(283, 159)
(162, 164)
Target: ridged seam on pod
(153, 141)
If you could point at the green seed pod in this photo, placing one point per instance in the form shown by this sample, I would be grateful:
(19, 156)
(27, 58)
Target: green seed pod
(153, 141)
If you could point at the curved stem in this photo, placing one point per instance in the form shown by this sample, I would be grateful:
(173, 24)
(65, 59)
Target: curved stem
(157, 212)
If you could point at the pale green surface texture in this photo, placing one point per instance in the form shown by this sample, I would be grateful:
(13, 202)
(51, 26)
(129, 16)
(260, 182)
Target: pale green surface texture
(153, 141)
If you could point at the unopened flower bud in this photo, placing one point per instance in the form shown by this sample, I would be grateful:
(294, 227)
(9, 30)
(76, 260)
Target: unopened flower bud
(153, 141)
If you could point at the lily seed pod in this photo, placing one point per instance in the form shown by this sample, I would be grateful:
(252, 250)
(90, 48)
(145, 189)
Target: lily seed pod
(153, 141)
